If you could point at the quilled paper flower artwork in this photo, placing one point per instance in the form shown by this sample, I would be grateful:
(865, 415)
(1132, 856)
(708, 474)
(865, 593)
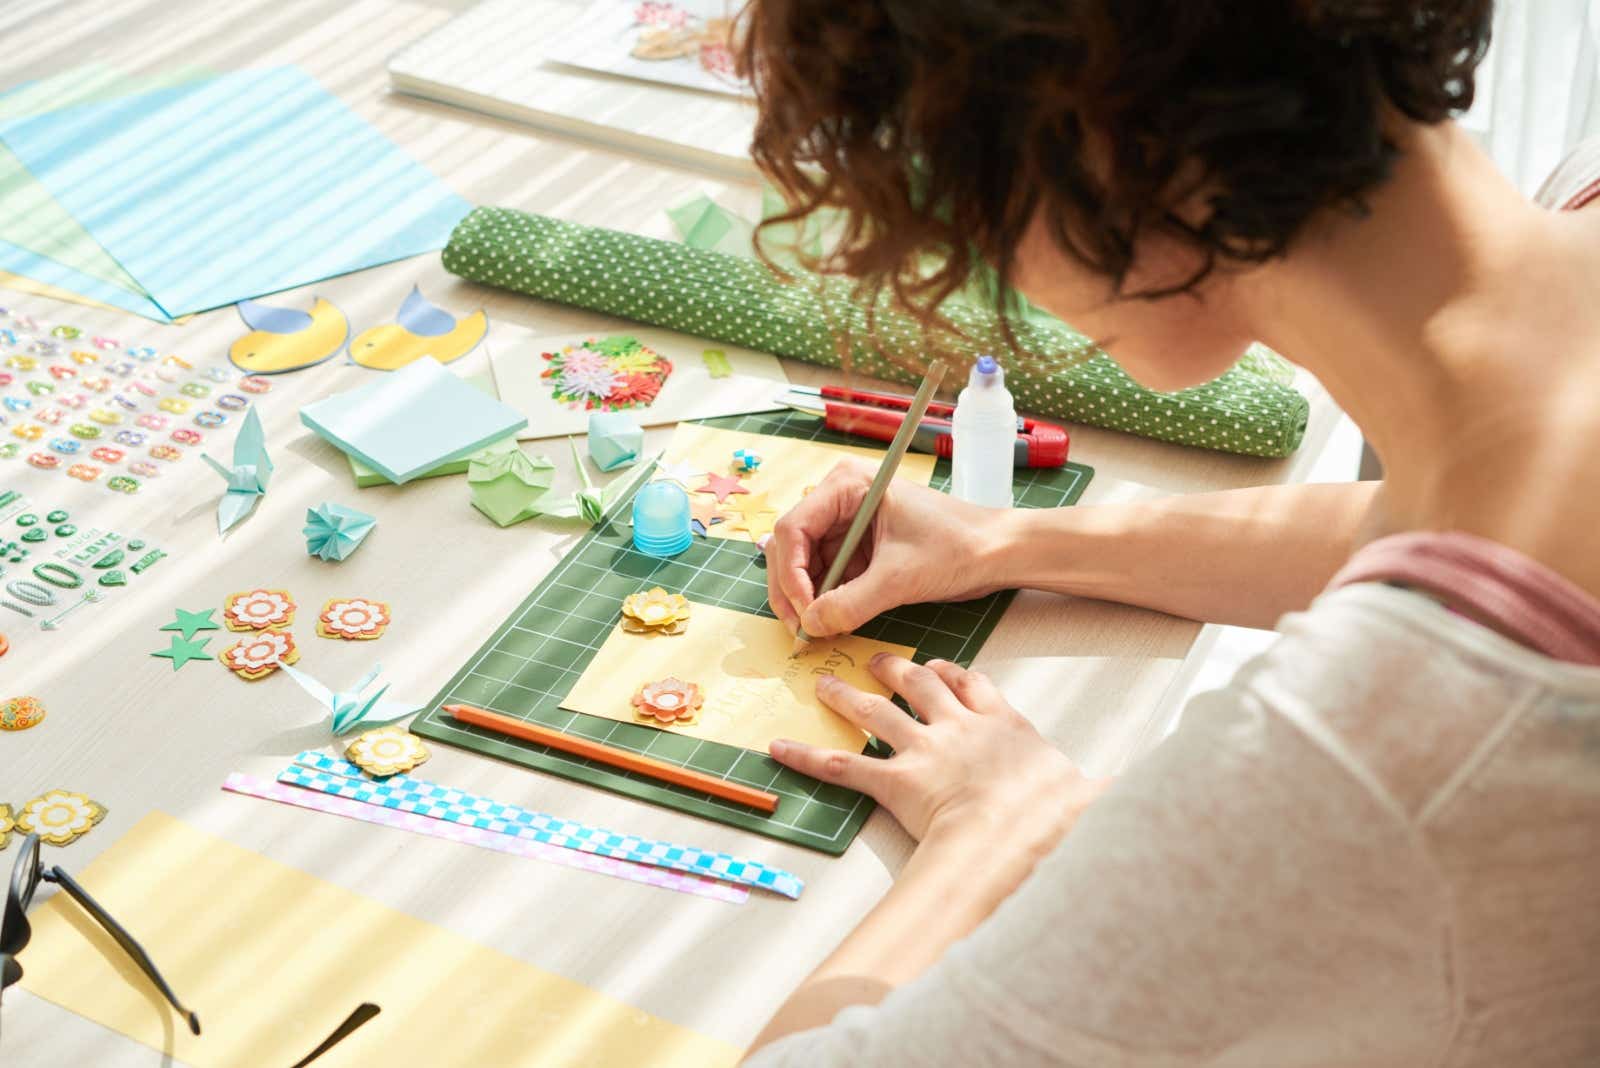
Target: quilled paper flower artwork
(258, 655)
(606, 374)
(59, 817)
(8, 824)
(655, 612)
(353, 619)
(258, 610)
(668, 700)
(20, 713)
(386, 751)
(668, 31)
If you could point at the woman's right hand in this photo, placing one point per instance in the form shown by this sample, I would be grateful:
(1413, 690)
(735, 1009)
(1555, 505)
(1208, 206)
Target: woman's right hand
(923, 546)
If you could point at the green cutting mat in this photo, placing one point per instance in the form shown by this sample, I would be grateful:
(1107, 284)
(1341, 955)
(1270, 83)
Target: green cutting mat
(528, 666)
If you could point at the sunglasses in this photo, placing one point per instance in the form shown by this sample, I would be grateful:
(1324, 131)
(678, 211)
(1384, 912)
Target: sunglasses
(26, 875)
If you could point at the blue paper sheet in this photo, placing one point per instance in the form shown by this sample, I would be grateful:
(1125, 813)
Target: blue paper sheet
(231, 187)
(409, 421)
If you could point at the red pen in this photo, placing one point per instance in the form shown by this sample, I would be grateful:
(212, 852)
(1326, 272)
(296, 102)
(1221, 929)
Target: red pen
(878, 416)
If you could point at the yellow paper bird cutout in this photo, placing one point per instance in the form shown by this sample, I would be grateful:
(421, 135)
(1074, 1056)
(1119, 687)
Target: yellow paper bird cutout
(286, 339)
(420, 329)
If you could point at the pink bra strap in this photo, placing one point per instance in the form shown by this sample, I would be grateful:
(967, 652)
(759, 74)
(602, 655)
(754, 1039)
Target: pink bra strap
(1520, 596)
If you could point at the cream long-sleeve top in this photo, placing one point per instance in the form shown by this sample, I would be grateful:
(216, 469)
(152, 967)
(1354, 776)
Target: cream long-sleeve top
(1378, 846)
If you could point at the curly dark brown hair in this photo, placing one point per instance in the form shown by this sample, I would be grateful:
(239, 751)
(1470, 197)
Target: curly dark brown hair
(942, 127)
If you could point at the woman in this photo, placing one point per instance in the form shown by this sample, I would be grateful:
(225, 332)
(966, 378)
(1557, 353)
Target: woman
(1378, 845)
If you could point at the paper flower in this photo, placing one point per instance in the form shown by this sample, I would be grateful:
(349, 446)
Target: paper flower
(602, 374)
(353, 618)
(655, 611)
(386, 751)
(59, 817)
(579, 359)
(257, 656)
(333, 531)
(717, 58)
(669, 700)
(660, 14)
(7, 825)
(635, 391)
(258, 610)
(20, 713)
(598, 383)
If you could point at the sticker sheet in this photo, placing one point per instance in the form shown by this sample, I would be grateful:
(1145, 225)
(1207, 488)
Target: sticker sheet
(106, 409)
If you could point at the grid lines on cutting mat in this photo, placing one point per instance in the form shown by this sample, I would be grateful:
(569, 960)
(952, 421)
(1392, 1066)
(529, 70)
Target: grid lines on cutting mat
(533, 660)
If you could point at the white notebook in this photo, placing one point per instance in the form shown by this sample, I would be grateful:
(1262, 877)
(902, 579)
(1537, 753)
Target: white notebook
(491, 59)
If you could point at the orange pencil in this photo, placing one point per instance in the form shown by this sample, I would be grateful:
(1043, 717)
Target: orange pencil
(625, 759)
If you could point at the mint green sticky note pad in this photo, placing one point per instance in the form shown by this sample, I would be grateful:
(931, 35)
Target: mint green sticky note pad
(406, 422)
(366, 477)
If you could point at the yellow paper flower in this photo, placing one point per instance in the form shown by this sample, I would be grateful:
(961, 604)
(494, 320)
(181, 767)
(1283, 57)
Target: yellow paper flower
(353, 618)
(655, 611)
(258, 610)
(258, 655)
(7, 824)
(59, 817)
(669, 700)
(386, 751)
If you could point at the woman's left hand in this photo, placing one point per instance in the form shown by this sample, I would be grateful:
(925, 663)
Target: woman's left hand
(970, 759)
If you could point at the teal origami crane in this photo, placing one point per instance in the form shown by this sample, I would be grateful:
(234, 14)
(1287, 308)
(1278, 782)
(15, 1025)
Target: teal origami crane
(333, 531)
(349, 708)
(247, 478)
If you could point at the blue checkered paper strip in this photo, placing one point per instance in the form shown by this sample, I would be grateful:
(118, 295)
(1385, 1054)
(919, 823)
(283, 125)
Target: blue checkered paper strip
(318, 771)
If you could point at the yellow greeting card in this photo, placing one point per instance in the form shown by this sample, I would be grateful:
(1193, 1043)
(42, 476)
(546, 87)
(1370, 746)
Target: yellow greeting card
(747, 503)
(272, 959)
(753, 691)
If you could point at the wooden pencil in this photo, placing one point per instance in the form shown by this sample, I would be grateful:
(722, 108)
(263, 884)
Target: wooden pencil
(616, 757)
(880, 486)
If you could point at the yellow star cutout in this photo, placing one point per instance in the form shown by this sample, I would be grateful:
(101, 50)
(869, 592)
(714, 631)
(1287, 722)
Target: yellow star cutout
(755, 515)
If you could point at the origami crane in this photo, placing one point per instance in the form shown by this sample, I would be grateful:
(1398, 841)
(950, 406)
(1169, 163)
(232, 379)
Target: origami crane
(349, 708)
(333, 531)
(592, 502)
(247, 478)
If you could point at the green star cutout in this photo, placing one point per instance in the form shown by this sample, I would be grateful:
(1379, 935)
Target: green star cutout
(181, 651)
(189, 622)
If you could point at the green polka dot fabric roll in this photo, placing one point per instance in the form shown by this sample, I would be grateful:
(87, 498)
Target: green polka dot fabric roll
(1060, 375)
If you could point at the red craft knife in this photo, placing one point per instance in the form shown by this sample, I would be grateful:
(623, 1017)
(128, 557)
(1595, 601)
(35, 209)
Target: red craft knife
(878, 416)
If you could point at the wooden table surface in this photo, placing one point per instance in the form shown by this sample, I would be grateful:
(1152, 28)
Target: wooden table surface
(136, 736)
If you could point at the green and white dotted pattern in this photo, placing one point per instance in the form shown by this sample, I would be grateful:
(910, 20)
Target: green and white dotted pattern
(743, 302)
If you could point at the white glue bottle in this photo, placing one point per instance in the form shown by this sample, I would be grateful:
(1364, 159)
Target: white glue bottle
(985, 431)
